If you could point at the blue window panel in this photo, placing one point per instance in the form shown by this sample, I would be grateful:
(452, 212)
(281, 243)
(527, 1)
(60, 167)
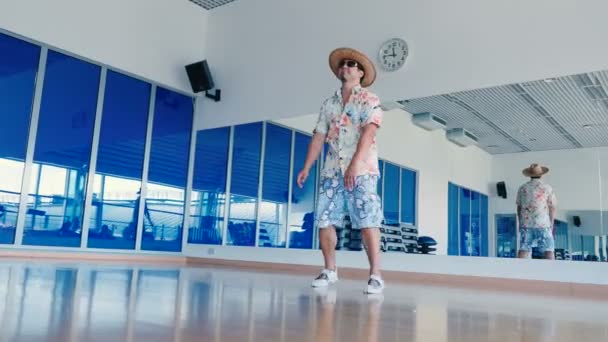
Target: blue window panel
(120, 161)
(302, 217)
(209, 186)
(485, 238)
(453, 219)
(246, 155)
(242, 221)
(211, 159)
(275, 188)
(206, 217)
(408, 196)
(391, 193)
(62, 152)
(475, 241)
(168, 169)
(561, 234)
(246, 159)
(381, 179)
(506, 236)
(18, 68)
(277, 157)
(465, 222)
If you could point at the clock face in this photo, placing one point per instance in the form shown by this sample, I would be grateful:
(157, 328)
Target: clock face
(393, 54)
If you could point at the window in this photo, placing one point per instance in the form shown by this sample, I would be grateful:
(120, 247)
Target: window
(209, 186)
(506, 236)
(484, 234)
(120, 161)
(275, 189)
(62, 152)
(408, 196)
(391, 193)
(245, 175)
(467, 222)
(381, 179)
(453, 238)
(302, 216)
(18, 68)
(169, 155)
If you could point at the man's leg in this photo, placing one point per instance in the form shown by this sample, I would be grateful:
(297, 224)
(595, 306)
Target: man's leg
(547, 243)
(523, 254)
(525, 244)
(329, 212)
(371, 238)
(365, 210)
(328, 240)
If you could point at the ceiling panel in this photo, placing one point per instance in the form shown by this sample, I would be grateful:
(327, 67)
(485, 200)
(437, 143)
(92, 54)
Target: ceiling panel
(559, 113)
(210, 4)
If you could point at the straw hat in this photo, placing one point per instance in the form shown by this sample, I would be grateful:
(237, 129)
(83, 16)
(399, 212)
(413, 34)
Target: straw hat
(340, 54)
(535, 170)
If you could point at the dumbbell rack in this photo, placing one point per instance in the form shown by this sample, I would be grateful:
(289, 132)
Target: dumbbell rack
(394, 238)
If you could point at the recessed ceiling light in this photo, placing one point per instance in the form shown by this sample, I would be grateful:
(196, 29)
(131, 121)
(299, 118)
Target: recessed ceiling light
(492, 146)
(587, 126)
(532, 139)
(549, 80)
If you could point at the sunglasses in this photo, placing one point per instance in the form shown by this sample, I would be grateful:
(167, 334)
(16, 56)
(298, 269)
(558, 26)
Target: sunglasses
(349, 63)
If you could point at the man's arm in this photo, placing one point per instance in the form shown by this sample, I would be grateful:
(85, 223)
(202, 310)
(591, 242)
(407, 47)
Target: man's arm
(552, 216)
(314, 149)
(365, 142)
(518, 216)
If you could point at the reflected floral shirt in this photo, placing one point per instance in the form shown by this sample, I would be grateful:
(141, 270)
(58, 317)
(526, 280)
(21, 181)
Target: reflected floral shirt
(535, 199)
(343, 126)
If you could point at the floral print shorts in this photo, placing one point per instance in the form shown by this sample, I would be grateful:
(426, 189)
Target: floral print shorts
(362, 204)
(536, 237)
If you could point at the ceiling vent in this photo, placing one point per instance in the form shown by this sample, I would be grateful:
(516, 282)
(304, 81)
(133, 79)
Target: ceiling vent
(429, 121)
(461, 137)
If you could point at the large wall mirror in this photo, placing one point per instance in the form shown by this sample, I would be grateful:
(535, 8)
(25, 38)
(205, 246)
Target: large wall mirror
(560, 123)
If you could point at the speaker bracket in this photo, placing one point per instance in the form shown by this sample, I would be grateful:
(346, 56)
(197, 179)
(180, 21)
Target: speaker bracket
(217, 96)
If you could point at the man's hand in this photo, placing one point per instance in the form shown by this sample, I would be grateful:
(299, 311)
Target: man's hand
(302, 176)
(351, 174)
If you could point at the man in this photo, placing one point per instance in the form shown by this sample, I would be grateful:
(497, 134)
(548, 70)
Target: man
(348, 121)
(536, 212)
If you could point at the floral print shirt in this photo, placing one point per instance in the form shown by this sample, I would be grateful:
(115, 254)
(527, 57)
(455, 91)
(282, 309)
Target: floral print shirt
(535, 198)
(343, 126)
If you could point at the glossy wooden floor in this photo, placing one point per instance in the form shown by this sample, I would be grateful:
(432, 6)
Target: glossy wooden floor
(82, 302)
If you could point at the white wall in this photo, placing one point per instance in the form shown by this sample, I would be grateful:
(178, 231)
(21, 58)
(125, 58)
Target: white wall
(575, 176)
(270, 57)
(153, 39)
(437, 161)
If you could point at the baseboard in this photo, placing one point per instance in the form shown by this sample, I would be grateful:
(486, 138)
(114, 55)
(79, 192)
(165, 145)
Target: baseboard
(533, 287)
(100, 257)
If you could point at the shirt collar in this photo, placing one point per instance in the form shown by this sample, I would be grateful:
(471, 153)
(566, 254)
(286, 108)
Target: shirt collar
(356, 90)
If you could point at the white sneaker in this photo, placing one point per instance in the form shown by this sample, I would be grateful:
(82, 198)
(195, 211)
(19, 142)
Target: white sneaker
(326, 278)
(375, 285)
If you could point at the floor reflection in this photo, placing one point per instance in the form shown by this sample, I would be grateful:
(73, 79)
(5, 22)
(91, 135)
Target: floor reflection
(81, 302)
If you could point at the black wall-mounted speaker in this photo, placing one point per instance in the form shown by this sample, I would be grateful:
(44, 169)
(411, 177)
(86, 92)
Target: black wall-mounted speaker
(501, 189)
(200, 76)
(576, 220)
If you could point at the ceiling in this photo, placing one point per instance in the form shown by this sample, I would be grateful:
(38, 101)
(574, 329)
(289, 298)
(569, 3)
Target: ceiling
(552, 114)
(210, 4)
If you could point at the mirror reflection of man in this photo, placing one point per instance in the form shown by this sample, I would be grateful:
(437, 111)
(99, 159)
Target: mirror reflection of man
(536, 214)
